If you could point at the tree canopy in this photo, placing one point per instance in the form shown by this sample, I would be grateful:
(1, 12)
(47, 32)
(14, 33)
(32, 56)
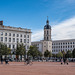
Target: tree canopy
(53, 55)
(20, 50)
(63, 52)
(59, 55)
(73, 53)
(68, 54)
(4, 50)
(34, 52)
(47, 53)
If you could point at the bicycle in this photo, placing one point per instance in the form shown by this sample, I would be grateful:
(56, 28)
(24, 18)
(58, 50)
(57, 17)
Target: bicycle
(28, 63)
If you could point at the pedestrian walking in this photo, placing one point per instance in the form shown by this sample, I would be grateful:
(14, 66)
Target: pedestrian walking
(6, 60)
(61, 61)
(28, 62)
(1, 60)
(64, 60)
(67, 61)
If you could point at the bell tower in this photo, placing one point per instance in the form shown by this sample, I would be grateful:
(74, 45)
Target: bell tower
(47, 42)
(47, 31)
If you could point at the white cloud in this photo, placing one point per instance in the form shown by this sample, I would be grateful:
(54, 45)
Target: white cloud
(37, 35)
(63, 30)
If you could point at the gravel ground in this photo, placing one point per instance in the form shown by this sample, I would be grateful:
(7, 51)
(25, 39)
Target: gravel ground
(37, 68)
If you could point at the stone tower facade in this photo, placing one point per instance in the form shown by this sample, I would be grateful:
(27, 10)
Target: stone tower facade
(47, 31)
(47, 42)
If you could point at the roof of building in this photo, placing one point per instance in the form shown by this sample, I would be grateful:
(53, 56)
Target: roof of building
(3, 27)
(47, 26)
(63, 40)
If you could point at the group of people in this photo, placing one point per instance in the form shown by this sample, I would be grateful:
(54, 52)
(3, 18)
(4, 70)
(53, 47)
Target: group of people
(65, 61)
(6, 60)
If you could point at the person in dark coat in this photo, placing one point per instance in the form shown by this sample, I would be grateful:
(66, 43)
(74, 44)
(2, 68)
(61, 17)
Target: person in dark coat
(1, 60)
(6, 60)
(64, 60)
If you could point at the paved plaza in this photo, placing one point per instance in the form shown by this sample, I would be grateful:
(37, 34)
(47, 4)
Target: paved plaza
(37, 68)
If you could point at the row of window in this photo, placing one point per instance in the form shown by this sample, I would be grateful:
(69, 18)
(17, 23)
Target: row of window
(15, 40)
(63, 43)
(60, 50)
(46, 42)
(14, 46)
(63, 46)
(36, 44)
(17, 35)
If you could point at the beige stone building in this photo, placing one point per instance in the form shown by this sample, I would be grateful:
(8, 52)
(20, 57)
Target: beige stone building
(11, 35)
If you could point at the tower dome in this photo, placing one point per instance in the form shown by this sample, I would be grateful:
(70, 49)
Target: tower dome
(47, 26)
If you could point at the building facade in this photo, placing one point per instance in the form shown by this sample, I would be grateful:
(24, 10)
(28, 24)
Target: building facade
(60, 45)
(11, 35)
(53, 46)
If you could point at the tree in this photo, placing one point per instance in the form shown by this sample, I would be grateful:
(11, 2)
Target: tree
(46, 53)
(50, 54)
(20, 50)
(7, 50)
(59, 55)
(68, 54)
(73, 53)
(4, 50)
(1, 49)
(63, 52)
(39, 53)
(54, 55)
(33, 51)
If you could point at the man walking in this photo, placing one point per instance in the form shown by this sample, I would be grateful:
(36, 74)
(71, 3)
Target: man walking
(1, 60)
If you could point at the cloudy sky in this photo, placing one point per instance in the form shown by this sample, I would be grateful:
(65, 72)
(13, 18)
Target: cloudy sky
(32, 14)
(60, 31)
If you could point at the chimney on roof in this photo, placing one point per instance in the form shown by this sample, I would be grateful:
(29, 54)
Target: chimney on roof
(1, 22)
